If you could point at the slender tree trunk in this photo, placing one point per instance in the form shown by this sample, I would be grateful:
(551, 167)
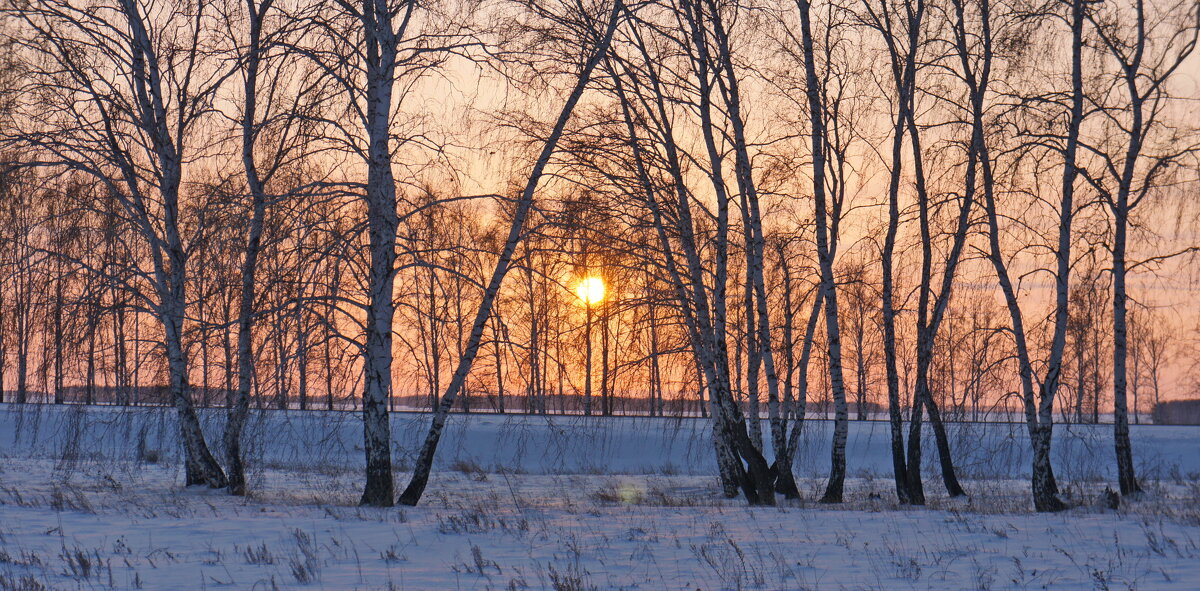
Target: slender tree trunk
(860, 371)
(123, 382)
(301, 358)
(837, 472)
(1133, 74)
(587, 366)
(1080, 376)
(328, 369)
(283, 375)
(3, 343)
(499, 365)
(803, 365)
(1044, 485)
(204, 366)
(656, 386)
(90, 376)
(1038, 416)
(1041, 426)
(606, 393)
(1136, 381)
(137, 359)
(895, 419)
(434, 345)
(227, 346)
(785, 480)
(533, 392)
(22, 357)
(59, 342)
(753, 359)
(21, 321)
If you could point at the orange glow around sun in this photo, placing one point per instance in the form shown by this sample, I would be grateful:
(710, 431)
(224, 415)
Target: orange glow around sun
(590, 290)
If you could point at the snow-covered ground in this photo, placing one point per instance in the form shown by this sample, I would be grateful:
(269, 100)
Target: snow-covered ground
(569, 503)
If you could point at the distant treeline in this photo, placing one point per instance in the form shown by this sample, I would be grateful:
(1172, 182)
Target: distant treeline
(1177, 412)
(567, 403)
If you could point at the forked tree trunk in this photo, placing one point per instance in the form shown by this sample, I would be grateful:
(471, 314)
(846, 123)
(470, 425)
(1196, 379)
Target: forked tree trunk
(239, 408)
(383, 30)
(931, 308)
(1038, 420)
(1045, 489)
(709, 328)
(1143, 76)
(891, 369)
(171, 256)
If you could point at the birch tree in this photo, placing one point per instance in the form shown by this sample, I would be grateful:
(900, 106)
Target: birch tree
(934, 301)
(1148, 44)
(274, 101)
(1038, 396)
(824, 219)
(375, 52)
(117, 92)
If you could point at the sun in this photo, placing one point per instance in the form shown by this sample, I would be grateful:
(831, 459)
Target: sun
(590, 290)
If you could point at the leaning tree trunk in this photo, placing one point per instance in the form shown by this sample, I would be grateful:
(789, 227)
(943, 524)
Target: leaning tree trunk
(895, 417)
(782, 406)
(802, 365)
(942, 442)
(420, 477)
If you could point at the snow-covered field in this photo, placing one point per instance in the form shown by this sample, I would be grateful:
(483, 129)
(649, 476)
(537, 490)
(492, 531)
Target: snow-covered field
(91, 499)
